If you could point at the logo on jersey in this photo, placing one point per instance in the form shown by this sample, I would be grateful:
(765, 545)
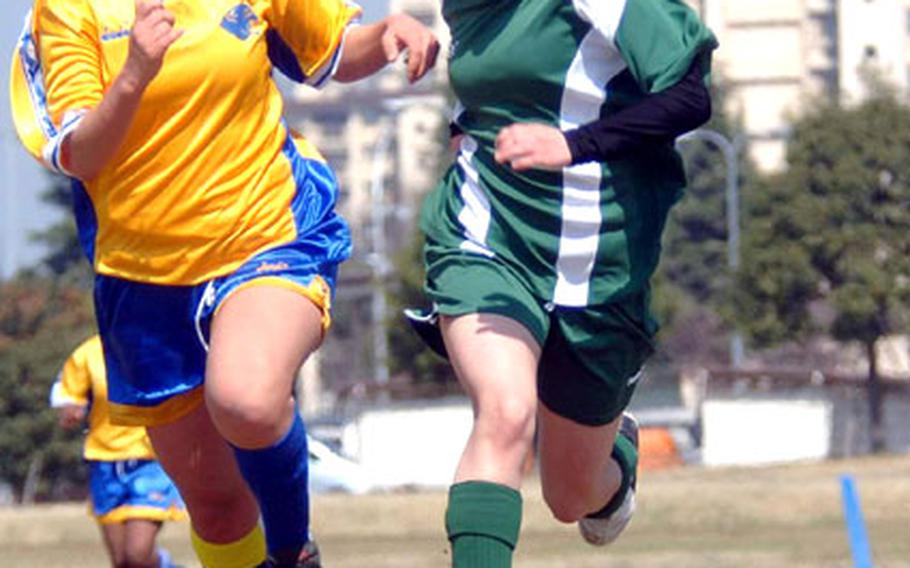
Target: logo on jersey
(453, 50)
(239, 21)
(111, 35)
(272, 266)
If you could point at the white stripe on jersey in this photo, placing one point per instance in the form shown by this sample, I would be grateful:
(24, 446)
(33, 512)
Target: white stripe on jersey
(475, 215)
(596, 62)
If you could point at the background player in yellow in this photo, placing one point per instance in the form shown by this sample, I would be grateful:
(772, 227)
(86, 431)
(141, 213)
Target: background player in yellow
(211, 229)
(131, 496)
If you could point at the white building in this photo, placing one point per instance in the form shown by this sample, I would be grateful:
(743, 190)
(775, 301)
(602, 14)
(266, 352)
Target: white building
(779, 54)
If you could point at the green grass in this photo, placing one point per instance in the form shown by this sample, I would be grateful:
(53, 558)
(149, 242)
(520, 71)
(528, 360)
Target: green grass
(738, 518)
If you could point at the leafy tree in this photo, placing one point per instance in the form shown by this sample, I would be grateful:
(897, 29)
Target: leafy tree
(828, 247)
(44, 313)
(693, 283)
(40, 323)
(407, 353)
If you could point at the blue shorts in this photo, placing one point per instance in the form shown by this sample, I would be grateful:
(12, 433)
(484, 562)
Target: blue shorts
(133, 489)
(156, 337)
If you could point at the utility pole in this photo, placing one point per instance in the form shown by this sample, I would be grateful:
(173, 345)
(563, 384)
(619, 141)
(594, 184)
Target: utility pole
(730, 152)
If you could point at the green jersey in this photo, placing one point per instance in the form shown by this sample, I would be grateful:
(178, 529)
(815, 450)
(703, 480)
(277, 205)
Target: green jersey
(589, 234)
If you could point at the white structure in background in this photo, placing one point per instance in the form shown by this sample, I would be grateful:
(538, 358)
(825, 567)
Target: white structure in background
(778, 54)
(410, 446)
(758, 431)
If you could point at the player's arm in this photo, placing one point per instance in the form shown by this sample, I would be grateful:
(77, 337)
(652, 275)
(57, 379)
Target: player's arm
(369, 48)
(102, 130)
(69, 394)
(657, 119)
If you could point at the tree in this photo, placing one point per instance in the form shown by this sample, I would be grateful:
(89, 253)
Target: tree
(828, 247)
(45, 311)
(692, 285)
(407, 353)
(40, 323)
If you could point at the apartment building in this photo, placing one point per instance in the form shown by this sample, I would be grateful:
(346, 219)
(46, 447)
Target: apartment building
(381, 135)
(779, 55)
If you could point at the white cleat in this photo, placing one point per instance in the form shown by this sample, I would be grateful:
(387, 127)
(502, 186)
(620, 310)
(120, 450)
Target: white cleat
(601, 532)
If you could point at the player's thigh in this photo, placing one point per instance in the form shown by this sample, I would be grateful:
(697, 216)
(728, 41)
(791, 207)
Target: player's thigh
(492, 325)
(259, 338)
(494, 357)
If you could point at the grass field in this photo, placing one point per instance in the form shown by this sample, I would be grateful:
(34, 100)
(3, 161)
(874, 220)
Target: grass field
(743, 518)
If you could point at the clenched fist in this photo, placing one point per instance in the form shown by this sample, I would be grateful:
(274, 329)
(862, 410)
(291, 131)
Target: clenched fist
(152, 35)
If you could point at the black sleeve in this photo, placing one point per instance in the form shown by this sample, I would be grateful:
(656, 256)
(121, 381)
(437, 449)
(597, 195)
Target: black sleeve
(657, 119)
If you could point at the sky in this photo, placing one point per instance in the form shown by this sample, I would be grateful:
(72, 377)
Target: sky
(22, 180)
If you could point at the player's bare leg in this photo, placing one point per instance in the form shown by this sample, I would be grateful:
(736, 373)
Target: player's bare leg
(140, 543)
(581, 476)
(114, 536)
(495, 359)
(202, 465)
(260, 337)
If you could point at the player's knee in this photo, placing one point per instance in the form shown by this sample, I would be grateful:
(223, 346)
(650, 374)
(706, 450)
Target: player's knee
(249, 420)
(568, 497)
(208, 507)
(565, 506)
(140, 555)
(507, 423)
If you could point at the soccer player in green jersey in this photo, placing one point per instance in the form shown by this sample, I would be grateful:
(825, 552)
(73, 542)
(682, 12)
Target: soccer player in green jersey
(541, 240)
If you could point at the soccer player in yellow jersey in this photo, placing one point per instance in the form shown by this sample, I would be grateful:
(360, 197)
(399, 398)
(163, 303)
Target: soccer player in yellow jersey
(211, 229)
(130, 493)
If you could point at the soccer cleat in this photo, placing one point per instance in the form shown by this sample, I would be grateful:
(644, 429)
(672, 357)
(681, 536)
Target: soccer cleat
(308, 558)
(601, 531)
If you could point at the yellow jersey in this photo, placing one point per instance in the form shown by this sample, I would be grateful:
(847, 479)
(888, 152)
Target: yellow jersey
(201, 183)
(83, 382)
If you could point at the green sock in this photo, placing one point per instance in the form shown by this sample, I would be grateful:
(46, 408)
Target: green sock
(626, 455)
(483, 520)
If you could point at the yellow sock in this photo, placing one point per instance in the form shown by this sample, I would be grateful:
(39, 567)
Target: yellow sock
(247, 552)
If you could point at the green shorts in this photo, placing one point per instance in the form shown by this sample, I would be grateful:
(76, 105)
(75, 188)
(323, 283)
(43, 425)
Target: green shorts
(591, 357)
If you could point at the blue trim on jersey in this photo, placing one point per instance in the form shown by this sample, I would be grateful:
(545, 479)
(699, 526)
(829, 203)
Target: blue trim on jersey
(31, 66)
(86, 219)
(322, 233)
(282, 57)
(131, 483)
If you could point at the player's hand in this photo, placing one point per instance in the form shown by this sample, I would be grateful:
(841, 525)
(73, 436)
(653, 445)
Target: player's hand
(152, 35)
(404, 33)
(71, 416)
(532, 146)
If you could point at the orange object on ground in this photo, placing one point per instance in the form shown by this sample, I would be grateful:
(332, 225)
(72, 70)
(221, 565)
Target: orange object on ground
(657, 449)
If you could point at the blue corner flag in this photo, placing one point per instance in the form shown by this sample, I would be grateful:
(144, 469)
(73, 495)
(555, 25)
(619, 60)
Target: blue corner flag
(856, 526)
